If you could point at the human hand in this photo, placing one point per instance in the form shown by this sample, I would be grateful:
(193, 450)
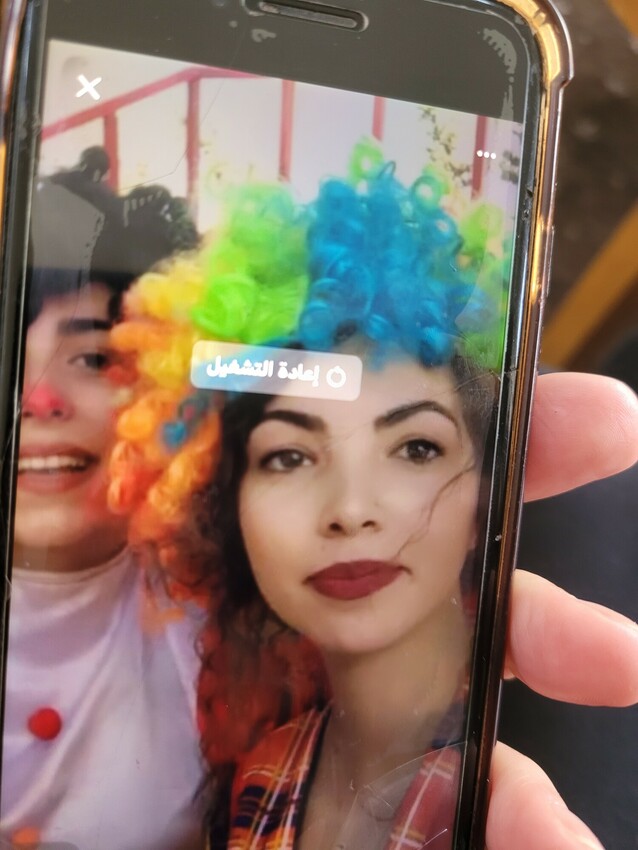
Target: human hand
(584, 427)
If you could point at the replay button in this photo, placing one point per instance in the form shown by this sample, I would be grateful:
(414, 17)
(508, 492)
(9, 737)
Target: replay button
(275, 371)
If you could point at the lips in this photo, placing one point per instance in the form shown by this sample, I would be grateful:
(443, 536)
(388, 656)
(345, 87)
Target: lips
(53, 463)
(54, 469)
(354, 579)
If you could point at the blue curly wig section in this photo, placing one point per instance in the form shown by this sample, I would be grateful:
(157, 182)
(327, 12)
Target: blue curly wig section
(370, 259)
(383, 265)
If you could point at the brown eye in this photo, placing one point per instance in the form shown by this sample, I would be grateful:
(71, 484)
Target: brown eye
(284, 460)
(93, 361)
(418, 451)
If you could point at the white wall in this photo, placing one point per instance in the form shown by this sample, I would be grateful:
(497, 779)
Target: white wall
(240, 129)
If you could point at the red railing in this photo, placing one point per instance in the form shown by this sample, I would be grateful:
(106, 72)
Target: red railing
(108, 109)
(192, 78)
(478, 165)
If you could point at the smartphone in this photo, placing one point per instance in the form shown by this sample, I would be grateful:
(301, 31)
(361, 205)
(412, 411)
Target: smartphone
(272, 282)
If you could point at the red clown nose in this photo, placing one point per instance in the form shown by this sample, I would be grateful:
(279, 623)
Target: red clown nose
(42, 401)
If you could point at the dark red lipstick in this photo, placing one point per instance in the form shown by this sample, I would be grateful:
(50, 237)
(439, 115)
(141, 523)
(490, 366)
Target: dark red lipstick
(354, 579)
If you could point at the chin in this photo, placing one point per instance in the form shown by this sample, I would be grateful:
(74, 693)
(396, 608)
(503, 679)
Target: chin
(357, 636)
(55, 529)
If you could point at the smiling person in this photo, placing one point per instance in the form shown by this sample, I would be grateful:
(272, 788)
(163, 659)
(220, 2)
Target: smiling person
(62, 523)
(92, 683)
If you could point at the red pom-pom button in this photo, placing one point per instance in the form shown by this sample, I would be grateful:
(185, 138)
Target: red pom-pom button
(27, 838)
(45, 724)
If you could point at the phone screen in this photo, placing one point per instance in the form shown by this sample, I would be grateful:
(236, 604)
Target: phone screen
(267, 325)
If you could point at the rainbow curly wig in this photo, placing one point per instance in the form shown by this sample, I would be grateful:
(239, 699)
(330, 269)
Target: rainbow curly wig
(247, 284)
(368, 258)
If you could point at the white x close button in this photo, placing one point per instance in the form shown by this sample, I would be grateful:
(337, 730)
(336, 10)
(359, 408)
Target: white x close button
(89, 87)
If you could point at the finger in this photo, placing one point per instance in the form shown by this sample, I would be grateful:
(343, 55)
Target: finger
(584, 427)
(568, 649)
(526, 812)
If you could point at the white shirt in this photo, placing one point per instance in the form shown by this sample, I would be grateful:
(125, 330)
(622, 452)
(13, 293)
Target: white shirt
(123, 772)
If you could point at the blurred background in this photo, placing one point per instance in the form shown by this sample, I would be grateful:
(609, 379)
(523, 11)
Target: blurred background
(593, 302)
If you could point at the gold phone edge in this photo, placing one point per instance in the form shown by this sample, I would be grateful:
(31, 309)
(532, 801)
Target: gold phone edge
(550, 33)
(13, 13)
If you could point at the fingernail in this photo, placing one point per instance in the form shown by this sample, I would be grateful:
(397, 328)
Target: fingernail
(590, 843)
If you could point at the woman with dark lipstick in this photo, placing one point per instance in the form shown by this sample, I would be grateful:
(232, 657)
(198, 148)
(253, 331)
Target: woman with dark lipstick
(93, 683)
(355, 524)
(350, 523)
(357, 521)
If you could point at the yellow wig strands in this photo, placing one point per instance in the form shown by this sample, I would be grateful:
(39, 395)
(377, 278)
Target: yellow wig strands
(248, 284)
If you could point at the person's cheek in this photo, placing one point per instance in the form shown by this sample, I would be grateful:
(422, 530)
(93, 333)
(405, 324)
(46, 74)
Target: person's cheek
(269, 536)
(437, 516)
(454, 530)
(260, 522)
(98, 416)
(94, 503)
(287, 526)
(408, 499)
(464, 509)
(277, 513)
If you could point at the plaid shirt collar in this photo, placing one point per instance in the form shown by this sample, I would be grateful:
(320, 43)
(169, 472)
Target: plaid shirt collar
(272, 785)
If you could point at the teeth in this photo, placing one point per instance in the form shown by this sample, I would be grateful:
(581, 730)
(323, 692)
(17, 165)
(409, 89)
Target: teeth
(52, 463)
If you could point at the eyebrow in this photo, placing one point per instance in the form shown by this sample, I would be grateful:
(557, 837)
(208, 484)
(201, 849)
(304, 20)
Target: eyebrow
(315, 424)
(400, 414)
(302, 420)
(70, 327)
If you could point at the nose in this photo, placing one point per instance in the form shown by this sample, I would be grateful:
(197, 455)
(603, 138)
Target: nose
(43, 401)
(351, 507)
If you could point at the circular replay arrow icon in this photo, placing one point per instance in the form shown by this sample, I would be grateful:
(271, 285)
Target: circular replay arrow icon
(336, 378)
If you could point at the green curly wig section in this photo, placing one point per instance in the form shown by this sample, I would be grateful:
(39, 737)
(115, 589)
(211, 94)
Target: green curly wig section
(256, 272)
